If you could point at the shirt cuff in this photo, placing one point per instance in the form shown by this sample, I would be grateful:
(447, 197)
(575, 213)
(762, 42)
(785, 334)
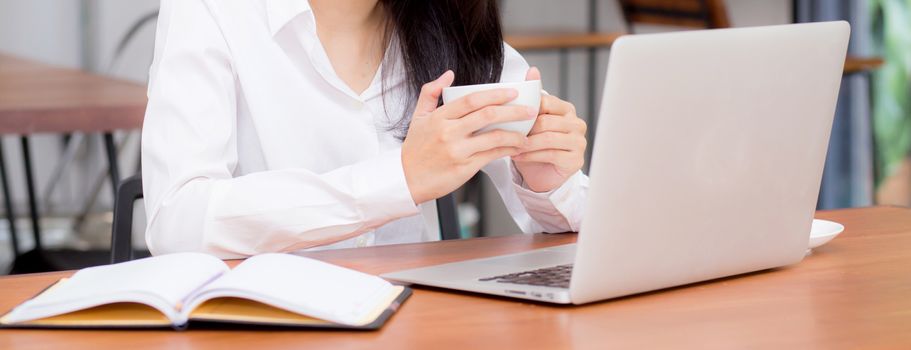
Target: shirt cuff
(558, 210)
(382, 191)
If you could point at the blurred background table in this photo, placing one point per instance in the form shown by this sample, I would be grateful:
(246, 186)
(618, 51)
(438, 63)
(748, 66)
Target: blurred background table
(40, 98)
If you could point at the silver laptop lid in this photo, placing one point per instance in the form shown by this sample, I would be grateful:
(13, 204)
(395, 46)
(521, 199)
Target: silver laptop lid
(709, 154)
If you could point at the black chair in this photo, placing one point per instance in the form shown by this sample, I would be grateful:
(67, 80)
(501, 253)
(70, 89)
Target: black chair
(130, 190)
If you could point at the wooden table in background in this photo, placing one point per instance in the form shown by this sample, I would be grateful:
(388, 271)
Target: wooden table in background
(562, 41)
(40, 98)
(854, 292)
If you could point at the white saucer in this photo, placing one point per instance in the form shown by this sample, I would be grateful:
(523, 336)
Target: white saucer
(824, 231)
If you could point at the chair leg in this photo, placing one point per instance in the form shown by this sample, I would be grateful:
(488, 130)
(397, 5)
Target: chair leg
(564, 74)
(592, 82)
(448, 215)
(113, 165)
(73, 144)
(30, 188)
(95, 187)
(34, 260)
(8, 203)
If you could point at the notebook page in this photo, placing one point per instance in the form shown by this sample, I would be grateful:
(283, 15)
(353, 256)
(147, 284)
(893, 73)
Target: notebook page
(161, 282)
(302, 285)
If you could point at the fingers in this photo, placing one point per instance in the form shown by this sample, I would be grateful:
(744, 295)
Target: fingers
(551, 140)
(560, 159)
(558, 123)
(429, 97)
(475, 101)
(480, 159)
(553, 105)
(533, 74)
(494, 114)
(563, 150)
(492, 140)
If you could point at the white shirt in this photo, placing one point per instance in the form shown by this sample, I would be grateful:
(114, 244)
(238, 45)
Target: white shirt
(253, 144)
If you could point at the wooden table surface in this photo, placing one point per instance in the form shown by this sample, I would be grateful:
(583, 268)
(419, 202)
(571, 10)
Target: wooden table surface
(40, 98)
(854, 292)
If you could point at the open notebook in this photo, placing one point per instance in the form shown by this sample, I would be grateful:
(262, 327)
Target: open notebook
(177, 289)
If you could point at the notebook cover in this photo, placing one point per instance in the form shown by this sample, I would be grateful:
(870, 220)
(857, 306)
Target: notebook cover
(138, 325)
(376, 324)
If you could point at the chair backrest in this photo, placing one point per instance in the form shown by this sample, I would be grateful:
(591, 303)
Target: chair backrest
(130, 190)
(701, 14)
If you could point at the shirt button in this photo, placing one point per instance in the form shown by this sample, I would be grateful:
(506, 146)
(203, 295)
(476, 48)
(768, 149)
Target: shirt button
(361, 241)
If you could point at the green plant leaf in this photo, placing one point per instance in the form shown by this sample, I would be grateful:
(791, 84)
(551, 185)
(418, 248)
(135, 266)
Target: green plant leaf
(891, 85)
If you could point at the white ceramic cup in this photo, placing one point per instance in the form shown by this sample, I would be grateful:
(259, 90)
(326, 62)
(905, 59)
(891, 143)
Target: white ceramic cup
(529, 95)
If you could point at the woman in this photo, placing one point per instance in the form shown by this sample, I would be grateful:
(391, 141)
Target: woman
(280, 125)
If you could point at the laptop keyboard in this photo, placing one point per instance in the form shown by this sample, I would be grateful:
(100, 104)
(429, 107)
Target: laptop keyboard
(556, 276)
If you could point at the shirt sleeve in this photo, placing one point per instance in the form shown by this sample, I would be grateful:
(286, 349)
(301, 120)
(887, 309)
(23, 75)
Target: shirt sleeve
(189, 154)
(559, 210)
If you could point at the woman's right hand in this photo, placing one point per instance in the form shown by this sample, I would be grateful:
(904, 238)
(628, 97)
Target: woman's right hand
(441, 151)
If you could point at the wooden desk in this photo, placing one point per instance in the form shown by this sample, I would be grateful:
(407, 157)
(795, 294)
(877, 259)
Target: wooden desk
(40, 98)
(854, 292)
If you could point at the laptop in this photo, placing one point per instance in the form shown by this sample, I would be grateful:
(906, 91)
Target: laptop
(707, 163)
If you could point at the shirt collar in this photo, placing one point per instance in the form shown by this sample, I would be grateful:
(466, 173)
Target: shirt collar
(280, 12)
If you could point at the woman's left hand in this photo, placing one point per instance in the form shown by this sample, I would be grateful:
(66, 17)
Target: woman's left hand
(556, 144)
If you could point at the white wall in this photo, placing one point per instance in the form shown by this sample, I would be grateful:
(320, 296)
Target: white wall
(108, 22)
(45, 30)
(748, 13)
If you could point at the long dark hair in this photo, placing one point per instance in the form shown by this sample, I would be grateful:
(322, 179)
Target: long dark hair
(433, 36)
